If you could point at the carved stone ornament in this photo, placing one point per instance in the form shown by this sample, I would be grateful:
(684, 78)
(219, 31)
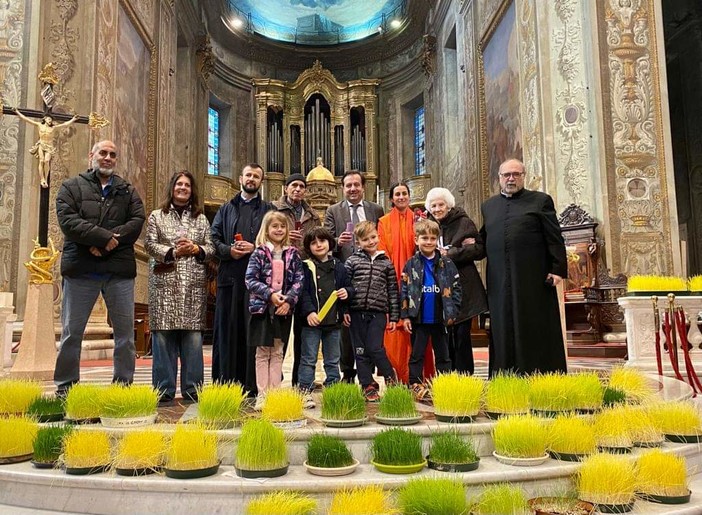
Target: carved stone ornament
(96, 121)
(205, 57)
(575, 215)
(428, 56)
(41, 263)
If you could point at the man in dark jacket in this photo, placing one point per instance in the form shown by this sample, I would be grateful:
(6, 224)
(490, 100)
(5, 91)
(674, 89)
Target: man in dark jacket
(101, 216)
(526, 259)
(234, 231)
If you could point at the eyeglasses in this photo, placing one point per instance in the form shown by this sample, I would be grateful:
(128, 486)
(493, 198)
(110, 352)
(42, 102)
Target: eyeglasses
(105, 153)
(511, 175)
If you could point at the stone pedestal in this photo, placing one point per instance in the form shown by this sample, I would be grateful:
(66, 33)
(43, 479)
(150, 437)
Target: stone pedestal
(7, 316)
(37, 353)
(641, 333)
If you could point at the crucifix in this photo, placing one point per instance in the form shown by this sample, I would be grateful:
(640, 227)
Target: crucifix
(44, 149)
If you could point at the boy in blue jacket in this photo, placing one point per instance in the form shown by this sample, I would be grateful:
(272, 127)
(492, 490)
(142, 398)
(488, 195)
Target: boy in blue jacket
(429, 302)
(324, 275)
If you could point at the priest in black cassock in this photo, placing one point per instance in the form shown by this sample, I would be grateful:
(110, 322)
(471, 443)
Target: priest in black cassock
(234, 231)
(526, 260)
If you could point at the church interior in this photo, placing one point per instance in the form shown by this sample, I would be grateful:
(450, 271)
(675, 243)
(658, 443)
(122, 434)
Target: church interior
(598, 98)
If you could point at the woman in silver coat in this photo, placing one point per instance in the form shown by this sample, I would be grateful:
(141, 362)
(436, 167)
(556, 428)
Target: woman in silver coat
(178, 241)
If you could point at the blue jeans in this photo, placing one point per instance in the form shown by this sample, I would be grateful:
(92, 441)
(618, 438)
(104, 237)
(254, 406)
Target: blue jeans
(331, 353)
(79, 296)
(167, 346)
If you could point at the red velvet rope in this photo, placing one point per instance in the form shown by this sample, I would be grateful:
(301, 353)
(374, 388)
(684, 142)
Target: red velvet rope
(671, 346)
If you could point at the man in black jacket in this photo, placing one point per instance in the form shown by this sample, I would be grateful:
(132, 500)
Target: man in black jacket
(234, 231)
(101, 216)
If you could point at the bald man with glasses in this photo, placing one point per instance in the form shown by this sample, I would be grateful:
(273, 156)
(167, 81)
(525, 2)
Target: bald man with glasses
(526, 260)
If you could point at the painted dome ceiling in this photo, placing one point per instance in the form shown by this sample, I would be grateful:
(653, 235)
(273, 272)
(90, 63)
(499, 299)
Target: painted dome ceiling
(316, 22)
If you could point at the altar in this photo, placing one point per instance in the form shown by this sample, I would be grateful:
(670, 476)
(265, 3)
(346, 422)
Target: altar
(641, 336)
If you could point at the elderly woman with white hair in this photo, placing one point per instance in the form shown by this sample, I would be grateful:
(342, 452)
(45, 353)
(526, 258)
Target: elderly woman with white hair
(461, 242)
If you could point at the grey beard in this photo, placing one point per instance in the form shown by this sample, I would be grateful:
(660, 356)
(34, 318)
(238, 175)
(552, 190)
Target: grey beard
(105, 172)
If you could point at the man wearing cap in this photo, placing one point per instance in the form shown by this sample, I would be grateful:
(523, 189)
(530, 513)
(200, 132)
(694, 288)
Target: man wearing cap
(302, 220)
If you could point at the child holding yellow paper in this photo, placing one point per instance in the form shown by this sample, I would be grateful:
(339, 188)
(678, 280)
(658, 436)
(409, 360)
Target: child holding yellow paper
(326, 290)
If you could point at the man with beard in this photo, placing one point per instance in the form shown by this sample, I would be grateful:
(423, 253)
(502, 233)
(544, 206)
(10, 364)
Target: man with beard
(234, 231)
(526, 260)
(101, 216)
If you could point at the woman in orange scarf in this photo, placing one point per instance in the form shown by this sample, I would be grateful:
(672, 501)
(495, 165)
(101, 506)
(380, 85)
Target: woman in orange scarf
(396, 234)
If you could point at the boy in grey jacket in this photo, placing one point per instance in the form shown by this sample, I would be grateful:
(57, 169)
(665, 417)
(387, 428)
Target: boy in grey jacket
(373, 278)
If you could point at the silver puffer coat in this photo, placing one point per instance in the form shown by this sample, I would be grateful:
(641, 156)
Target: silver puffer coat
(177, 297)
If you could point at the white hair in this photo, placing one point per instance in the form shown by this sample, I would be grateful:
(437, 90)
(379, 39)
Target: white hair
(440, 193)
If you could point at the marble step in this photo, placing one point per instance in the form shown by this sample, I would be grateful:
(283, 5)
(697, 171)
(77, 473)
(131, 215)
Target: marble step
(22, 485)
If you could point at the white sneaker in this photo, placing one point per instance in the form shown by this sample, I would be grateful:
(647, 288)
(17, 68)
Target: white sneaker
(260, 401)
(308, 401)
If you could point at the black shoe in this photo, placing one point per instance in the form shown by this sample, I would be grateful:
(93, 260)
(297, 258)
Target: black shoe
(349, 377)
(165, 400)
(190, 397)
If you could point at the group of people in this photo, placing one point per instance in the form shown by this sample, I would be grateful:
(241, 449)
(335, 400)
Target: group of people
(394, 293)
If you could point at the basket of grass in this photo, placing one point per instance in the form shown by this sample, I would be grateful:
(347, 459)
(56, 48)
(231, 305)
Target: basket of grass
(343, 405)
(660, 285)
(450, 452)
(329, 455)
(608, 482)
(560, 506)
(362, 499)
(506, 394)
(192, 453)
(520, 440)
(48, 445)
(282, 503)
(456, 397)
(571, 438)
(84, 404)
(397, 451)
(662, 478)
(47, 409)
(261, 450)
(588, 392)
(679, 421)
(642, 428)
(501, 499)
(397, 407)
(16, 395)
(551, 394)
(283, 407)
(128, 406)
(432, 495)
(16, 439)
(220, 405)
(140, 453)
(86, 452)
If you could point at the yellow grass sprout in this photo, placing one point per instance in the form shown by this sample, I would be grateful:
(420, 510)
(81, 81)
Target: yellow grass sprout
(661, 473)
(17, 436)
(520, 436)
(642, 428)
(501, 499)
(607, 479)
(656, 283)
(551, 391)
(695, 283)
(282, 405)
(571, 434)
(282, 503)
(122, 401)
(191, 448)
(587, 390)
(220, 403)
(612, 429)
(676, 418)
(457, 394)
(17, 394)
(84, 401)
(636, 386)
(83, 449)
(507, 393)
(362, 500)
(144, 449)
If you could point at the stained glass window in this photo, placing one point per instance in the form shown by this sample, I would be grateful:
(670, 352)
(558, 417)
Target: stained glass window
(419, 142)
(213, 141)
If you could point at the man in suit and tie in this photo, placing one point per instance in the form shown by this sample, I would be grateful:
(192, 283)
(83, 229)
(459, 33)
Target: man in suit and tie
(351, 210)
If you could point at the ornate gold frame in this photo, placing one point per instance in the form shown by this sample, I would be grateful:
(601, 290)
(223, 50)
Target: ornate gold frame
(482, 106)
